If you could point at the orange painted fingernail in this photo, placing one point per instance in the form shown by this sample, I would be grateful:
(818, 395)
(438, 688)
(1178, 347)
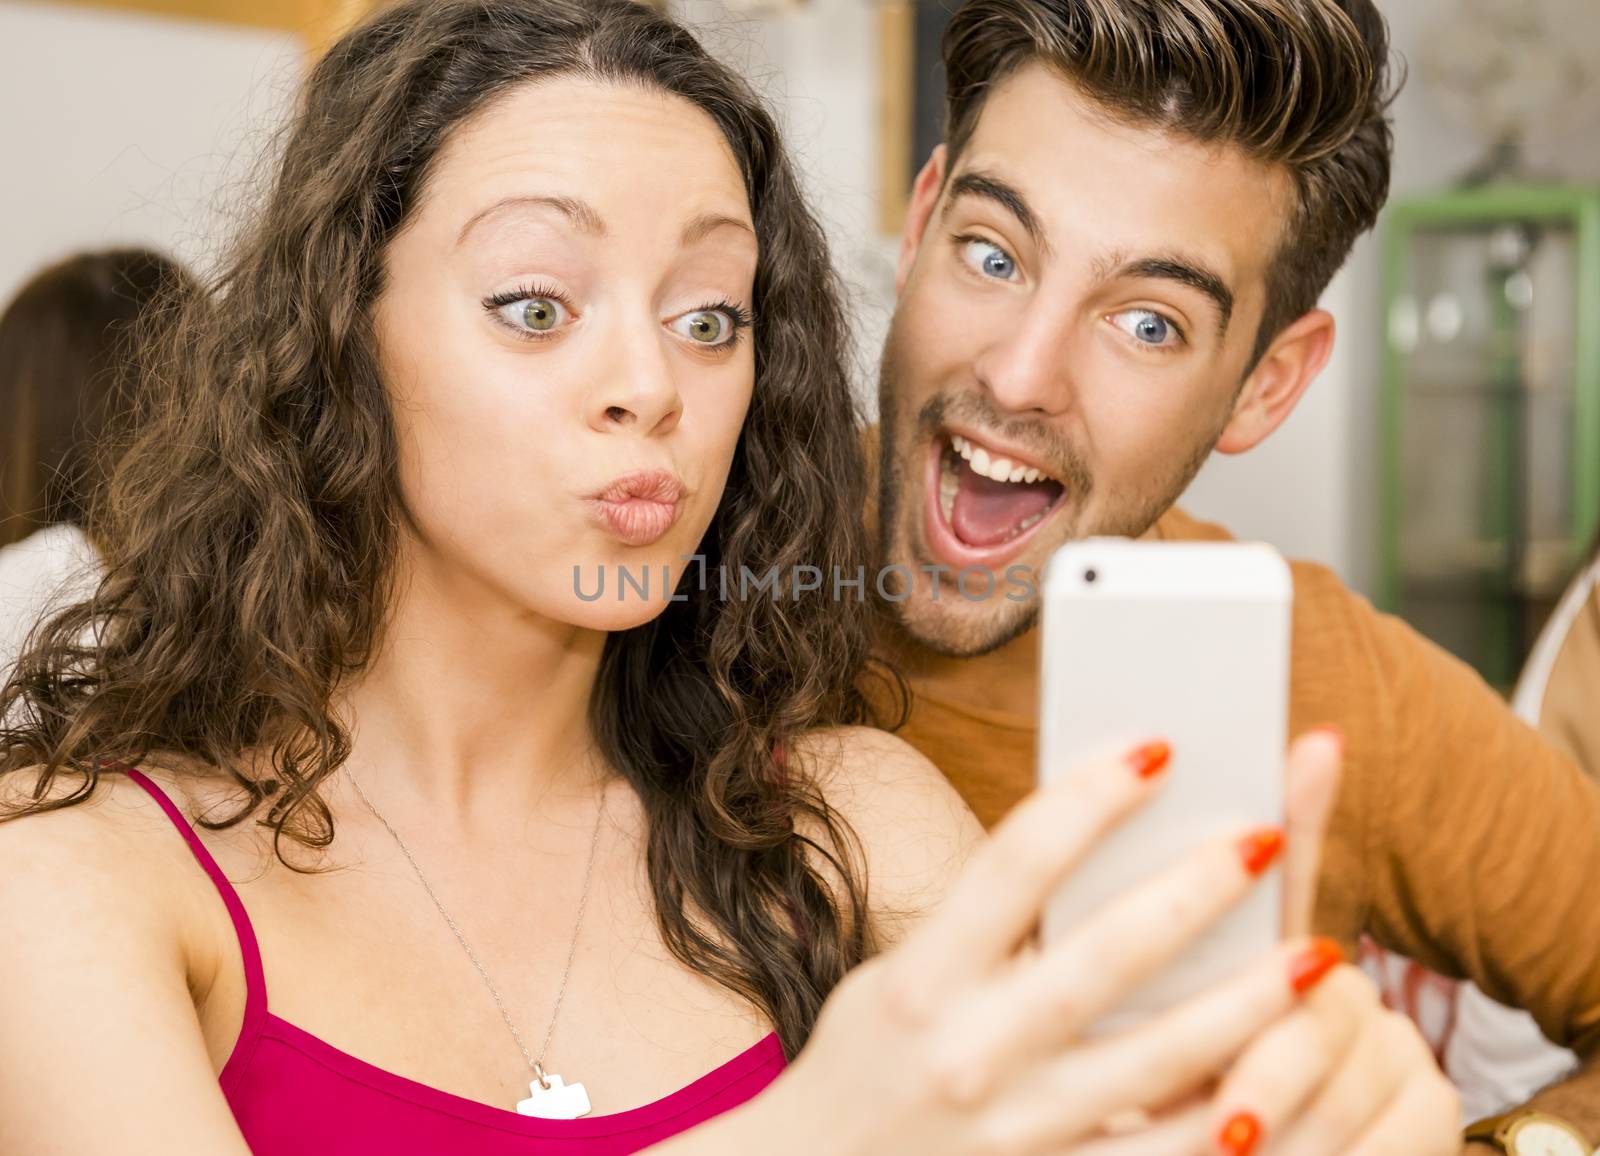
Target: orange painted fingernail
(1240, 1135)
(1260, 849)
(1307, 969)
(1151, 759)
(1333, 732)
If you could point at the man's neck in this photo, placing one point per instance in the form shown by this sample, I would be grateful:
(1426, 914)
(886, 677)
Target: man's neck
(1004, 680)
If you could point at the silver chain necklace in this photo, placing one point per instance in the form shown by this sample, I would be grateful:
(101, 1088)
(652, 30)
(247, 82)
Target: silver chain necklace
(549, 1096)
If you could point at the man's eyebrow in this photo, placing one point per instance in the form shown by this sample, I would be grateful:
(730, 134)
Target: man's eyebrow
(580, 213)
(974, 183)
(707, 223)
(1185, 271)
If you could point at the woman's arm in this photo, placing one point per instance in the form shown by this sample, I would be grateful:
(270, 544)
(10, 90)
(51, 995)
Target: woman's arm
(915, 832)
(101, 1048)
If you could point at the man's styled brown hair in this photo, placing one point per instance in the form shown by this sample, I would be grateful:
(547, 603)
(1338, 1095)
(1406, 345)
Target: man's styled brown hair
(1298, 83)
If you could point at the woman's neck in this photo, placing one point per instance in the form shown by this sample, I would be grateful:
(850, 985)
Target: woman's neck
(473, 707)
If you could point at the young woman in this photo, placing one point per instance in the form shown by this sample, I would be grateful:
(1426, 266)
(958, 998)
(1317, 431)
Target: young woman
(475, 861)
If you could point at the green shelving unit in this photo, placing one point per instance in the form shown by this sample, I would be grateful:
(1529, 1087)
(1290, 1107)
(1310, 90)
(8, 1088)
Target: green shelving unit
(1491, 412)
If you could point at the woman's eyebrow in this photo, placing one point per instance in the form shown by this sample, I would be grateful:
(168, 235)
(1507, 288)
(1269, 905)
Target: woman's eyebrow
(579, 212)
(707, 223)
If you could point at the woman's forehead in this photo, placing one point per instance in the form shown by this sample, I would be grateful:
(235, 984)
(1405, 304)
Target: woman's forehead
(605, 150)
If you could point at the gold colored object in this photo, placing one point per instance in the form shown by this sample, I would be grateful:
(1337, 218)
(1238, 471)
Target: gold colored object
(1530, 1134)
(895, 100)
(318, 22)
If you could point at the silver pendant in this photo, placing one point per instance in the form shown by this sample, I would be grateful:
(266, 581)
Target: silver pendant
(555, 1102)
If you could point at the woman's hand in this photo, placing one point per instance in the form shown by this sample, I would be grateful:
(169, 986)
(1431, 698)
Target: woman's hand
(966, 1040)
(1340, 1075)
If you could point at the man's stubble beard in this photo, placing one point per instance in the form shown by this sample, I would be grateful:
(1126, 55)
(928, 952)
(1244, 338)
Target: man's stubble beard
(974, 635)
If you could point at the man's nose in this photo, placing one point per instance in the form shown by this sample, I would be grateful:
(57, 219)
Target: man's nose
(1024, 369)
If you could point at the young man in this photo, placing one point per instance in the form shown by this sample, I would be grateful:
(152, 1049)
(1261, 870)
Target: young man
(1110, 270)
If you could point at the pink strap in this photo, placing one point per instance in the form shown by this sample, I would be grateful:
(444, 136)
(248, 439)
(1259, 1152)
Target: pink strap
(255, 984)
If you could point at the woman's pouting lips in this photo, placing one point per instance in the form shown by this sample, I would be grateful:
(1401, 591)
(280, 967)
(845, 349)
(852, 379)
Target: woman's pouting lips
(638, 508)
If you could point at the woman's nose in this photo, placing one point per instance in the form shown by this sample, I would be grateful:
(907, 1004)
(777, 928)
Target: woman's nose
(638, 392)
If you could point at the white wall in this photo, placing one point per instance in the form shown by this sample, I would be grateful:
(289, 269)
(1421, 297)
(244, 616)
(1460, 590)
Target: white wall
(818, 66)
(1312, 489)
(127, 129)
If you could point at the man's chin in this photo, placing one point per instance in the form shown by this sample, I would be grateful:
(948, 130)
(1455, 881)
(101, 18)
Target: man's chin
(958, 625)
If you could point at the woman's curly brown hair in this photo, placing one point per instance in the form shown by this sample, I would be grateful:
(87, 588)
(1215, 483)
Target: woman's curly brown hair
(252, 525)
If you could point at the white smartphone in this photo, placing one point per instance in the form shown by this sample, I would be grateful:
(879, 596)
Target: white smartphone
(1188, 642)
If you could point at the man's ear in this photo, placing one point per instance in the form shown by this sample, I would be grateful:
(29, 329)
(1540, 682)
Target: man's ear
(924, 196)
(1278, 382)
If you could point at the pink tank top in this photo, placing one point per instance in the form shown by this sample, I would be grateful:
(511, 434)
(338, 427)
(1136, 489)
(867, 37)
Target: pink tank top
(292, 1092)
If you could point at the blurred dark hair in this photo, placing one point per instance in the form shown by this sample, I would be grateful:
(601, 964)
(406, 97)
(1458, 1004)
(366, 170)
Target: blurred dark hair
(65, 351)
(255, 520)
(1298, 83)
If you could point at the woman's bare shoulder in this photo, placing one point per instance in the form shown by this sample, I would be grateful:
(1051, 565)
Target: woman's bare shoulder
(99, 900)
(915, 832)
(110, 858)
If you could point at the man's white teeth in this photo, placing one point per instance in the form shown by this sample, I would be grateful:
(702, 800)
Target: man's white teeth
(1000, 469)
(947, 489)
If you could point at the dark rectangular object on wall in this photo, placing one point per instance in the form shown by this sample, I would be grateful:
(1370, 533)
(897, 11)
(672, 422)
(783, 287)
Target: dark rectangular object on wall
(927, 77)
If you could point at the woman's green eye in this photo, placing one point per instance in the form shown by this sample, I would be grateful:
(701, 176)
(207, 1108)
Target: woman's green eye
(711, 327)
(540, 313)
(529, 313)
(707, 327)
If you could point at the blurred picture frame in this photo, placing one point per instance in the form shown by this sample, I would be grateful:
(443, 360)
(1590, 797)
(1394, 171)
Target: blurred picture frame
(317, 22)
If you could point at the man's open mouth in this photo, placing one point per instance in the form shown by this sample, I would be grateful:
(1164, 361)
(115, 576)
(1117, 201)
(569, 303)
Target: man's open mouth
(987, 503)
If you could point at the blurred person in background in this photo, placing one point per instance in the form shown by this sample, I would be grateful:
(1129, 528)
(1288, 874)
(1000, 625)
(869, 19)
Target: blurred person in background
(64, 343)
(1496, 1055)
(1559, 691)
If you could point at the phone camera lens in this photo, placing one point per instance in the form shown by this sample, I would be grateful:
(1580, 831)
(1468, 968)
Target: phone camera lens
(1090, 575)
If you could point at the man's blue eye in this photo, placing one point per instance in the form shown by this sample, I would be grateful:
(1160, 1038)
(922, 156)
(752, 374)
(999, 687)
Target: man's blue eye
(990, 260)
(1147, 328)
(1152, 329)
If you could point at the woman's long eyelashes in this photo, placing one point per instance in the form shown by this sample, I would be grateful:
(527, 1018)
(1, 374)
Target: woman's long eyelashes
(535, 312)
(522, 293)
(742, 319)
(532, 312)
